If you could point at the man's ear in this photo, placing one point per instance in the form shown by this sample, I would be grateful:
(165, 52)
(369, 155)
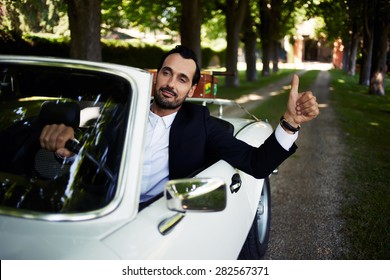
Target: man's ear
(192, 90)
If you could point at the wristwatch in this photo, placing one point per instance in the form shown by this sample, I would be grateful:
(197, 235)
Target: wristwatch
(286, 125)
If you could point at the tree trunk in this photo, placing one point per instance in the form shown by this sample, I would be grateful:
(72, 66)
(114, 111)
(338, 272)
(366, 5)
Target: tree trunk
(84, 24)
(235, 14)
(250, 43)
(275, 21)
(190, 26)
(365, 67)
(265, 18)
(347, 53)
(275, 56)
(232, 58)
(266, 48)
(380, 45)
(250, 56)
(354, 49)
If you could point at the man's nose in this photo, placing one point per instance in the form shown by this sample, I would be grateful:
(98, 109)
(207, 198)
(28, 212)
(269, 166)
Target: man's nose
(171, 82)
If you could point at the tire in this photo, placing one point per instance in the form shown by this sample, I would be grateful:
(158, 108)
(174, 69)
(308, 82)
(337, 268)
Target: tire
(256, 243)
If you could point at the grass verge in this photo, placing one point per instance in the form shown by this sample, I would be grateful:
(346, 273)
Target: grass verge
(248, 87)
(365, 120)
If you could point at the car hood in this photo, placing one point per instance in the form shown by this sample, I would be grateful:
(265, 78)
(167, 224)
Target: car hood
(29, 247)
(28, 239)
(240, 123)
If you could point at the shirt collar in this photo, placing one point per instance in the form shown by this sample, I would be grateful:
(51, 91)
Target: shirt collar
(167, 120)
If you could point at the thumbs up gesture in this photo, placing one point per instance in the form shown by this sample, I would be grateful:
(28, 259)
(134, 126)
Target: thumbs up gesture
(301, 107)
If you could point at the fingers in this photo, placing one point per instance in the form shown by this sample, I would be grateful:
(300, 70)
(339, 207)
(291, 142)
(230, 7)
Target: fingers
(307, 105)
(53, 138)
(301, 107)
(64, 152)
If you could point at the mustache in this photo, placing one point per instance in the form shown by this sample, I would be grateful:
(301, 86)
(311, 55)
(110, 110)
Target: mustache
(168, 89)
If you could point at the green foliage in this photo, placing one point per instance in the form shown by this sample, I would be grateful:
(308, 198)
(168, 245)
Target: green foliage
(32, 16)
(131, 53)
(50, 16)
(146, 57)
(150, 15)
(290, 15)
(338, 15)
(214, 27)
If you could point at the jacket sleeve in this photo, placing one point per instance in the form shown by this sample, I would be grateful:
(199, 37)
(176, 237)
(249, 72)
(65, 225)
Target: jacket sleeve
(256, 161)
(196, 141)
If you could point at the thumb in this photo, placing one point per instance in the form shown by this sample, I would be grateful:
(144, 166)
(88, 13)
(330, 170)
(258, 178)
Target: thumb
(292, 99)
(294, 86)
(64, 152)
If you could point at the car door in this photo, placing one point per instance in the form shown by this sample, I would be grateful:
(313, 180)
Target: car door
(192, 235)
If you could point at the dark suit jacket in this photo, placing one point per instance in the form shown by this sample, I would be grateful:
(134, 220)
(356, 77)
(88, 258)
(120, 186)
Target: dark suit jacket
(197, 140)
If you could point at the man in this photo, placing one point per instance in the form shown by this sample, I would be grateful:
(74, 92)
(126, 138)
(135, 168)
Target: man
(182, 137)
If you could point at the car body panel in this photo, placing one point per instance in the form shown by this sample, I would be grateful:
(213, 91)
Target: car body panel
(182, 238)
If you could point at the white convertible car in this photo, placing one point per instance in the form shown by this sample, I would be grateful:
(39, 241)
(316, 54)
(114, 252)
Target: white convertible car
(87, 207)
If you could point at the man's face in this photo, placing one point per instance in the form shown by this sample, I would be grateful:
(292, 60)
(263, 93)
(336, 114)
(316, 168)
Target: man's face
(174, 82)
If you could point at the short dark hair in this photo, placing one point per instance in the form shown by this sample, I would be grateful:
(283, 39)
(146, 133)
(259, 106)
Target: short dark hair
(186, 53)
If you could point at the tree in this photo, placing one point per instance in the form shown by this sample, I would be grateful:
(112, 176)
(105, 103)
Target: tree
(352, 34)
(235, 11)
(276, 26)
(250, 43)
(265, 35)
(32, 15)
(44, 15)
(369, 18)
(190, 26)
(149, 15)
(169, 16)
(276, 19)
(380, 46)
(85, 26)
(365, 67)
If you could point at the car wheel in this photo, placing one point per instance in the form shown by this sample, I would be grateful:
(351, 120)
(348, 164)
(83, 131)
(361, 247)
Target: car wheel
(256, 242)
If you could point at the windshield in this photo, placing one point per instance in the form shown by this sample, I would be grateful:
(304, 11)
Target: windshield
(96, 104)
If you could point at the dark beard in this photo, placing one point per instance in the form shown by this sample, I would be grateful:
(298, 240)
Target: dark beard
(165, 104)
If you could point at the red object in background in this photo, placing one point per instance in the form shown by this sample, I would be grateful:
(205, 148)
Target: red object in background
(338, 51)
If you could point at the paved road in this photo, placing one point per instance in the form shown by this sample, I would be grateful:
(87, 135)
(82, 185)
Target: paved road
(306, 194)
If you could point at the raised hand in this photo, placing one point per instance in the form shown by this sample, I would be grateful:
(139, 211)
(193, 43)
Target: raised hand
(301, 107)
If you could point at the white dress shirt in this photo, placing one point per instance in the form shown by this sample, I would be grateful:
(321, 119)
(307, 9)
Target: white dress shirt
(156, 168)
(286, 140)
(156, 158)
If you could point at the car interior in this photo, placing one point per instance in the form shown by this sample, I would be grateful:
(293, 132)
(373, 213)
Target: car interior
(94, 103)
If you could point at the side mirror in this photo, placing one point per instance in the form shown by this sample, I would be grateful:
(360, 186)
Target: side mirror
(196, 194)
